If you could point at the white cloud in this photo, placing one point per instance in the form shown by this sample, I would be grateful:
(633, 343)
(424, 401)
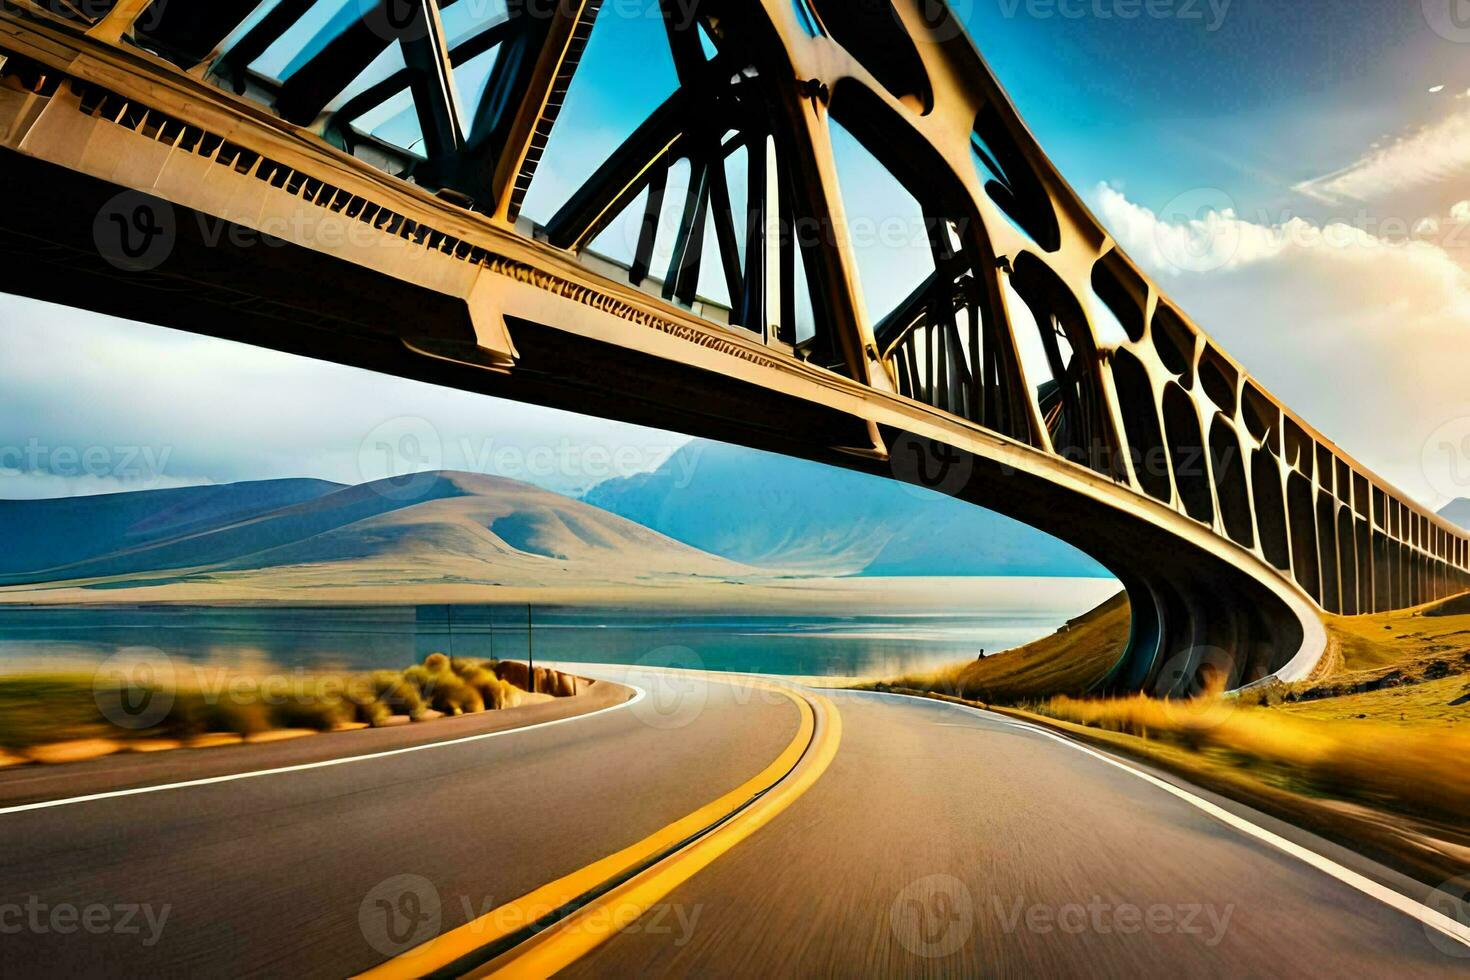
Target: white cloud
(1437, 152)
(1368, 339)
(1461, 212)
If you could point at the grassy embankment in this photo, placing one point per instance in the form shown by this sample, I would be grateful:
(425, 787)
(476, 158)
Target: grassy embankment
(67, 717)
(1372, 752)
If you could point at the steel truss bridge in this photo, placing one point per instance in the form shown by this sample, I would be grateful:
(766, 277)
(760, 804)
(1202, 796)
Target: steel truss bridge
(156, 168)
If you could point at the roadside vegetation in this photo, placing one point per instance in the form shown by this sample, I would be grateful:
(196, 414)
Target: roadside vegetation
(63, 717)
(1070, 661)
(1372, 751)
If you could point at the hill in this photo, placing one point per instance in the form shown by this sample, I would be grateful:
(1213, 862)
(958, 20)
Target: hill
(43, 534)
(1457, 512)
(763, 509)
(1070, 661)
(441, 527)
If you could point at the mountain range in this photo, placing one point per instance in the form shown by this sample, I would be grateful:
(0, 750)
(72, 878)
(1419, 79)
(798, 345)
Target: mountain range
(1457, 512)
(711, 514)
(775, 511)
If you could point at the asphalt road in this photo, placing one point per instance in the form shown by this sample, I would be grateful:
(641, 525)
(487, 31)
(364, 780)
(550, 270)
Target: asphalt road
(939, 842)
(281, 875)
(943, 842)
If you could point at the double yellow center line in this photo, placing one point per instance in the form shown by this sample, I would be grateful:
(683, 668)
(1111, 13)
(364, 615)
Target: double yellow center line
(609, 895)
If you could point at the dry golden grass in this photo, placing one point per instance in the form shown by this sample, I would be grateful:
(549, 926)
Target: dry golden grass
(1437, 631)
(38, 709)
(1070, 661)
(1413, 771)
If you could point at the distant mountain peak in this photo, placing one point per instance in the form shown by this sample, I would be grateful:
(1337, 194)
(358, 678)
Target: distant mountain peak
(780, 512)
(1457, 512)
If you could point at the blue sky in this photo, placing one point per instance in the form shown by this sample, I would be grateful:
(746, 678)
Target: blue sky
(1296, 174)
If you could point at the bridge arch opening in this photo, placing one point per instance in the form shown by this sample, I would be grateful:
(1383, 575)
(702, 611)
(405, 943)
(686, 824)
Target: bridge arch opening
(872, 32)
(1123, 295)
(1270, 508)
(1062, 366)
(1347, 543)
(1187, 453)
(925, 268)
(1227, 464)
(1139, 409)
(1303, 522)
(1010, 181)
(1174, 342)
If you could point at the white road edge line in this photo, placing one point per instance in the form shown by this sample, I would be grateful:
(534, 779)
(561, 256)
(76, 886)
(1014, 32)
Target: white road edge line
(638, 695)
(1416, 910)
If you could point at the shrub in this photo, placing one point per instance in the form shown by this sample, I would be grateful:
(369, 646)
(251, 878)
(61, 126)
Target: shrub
(397, 693)
(450, 694)
(321, 714)
(494, 692)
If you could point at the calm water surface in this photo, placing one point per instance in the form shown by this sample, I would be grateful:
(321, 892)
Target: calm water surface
(388, 636)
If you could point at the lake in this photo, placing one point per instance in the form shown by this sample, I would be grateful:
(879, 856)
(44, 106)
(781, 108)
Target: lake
(358, 638)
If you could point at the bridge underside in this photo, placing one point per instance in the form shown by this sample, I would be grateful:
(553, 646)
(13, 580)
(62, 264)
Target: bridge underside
(287, 222)
(1191, 608)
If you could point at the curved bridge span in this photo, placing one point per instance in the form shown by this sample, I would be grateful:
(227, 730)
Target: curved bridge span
(159, 168)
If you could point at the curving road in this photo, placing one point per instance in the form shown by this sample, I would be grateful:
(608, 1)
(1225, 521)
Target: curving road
(940, 841)
(946, 841)
(279, 875)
